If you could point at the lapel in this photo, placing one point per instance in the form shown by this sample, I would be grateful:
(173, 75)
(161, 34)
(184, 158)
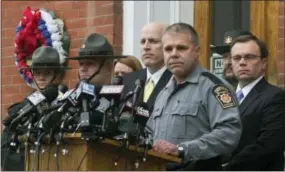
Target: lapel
(252, 96)
(158, 87)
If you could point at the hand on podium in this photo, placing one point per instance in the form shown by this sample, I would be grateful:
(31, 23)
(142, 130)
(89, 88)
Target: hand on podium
(163, 146)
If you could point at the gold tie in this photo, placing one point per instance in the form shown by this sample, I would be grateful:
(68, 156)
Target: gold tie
(148, 89)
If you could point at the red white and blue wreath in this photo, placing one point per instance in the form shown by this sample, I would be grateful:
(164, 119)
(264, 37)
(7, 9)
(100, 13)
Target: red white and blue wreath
(37, 28)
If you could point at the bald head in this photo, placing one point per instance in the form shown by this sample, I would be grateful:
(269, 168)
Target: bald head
(151, 46)
(156, 26)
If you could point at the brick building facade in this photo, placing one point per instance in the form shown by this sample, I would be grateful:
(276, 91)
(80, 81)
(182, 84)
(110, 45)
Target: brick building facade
(80, 18)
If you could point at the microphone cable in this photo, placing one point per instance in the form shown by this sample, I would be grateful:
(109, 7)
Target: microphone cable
(56, 155)
(36, 154)
(82, 159)
(49, 150)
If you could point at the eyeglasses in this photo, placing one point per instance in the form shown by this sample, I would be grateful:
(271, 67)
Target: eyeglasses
(246, 57)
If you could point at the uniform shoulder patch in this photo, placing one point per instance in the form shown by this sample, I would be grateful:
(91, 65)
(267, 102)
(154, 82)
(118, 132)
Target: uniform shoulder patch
(224, 96)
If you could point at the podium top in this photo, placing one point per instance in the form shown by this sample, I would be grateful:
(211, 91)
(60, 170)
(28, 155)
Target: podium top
(77, 137)
(131, 147)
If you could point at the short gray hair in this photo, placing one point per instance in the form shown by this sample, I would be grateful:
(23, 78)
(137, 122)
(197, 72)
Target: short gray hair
(184, 27)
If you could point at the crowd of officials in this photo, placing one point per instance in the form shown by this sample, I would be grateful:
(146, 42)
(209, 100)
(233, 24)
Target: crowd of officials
(235, 122)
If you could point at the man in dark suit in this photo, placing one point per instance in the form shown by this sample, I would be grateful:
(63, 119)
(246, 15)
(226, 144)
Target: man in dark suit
(155, 76)
(262, 109)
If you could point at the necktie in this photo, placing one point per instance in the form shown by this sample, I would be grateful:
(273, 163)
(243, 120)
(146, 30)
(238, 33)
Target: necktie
(240, 95)
(148, 89)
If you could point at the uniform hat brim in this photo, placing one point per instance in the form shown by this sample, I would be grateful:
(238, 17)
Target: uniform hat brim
(92, 57)
(220, 49)
(96, 46)
(228, 38)
(47, 67)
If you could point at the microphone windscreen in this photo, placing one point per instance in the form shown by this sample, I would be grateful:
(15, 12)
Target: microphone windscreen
(138, 82)
(126, 124)
(51, 120)
(50, 93)
(62, 88)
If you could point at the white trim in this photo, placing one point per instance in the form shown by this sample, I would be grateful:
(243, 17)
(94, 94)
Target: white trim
(128, 27)
(149, 12)
(174, 11)
(177, 10)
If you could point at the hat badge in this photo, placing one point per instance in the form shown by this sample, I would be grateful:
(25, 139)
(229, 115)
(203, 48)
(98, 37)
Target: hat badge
(228, 40)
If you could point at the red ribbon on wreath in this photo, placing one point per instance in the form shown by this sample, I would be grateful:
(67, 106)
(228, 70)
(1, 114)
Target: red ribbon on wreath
(26, 41)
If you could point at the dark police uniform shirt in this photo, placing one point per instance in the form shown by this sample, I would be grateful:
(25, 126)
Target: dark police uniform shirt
(200, 113)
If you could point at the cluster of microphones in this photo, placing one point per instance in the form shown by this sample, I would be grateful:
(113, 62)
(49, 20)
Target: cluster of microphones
(97, 112)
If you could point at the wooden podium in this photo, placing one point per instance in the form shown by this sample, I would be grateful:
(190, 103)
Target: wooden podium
(96, 156)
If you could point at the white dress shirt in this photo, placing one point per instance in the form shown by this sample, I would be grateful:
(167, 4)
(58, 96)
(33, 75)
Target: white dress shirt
(247, 88)
(156, 76)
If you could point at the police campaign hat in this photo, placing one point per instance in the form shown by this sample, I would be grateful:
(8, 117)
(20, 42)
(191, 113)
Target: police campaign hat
(94, 46)
(228, 39)
(46, 57)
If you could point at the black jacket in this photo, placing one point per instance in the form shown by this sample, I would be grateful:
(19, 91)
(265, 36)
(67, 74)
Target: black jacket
(262, 142)
(13, 161)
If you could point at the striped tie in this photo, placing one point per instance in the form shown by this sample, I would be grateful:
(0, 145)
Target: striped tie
(240, 95)
(148, 89)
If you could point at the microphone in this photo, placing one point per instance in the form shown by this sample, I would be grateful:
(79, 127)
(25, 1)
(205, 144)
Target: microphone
(128, 120)
(68, 100)
(138, 84)
(35, 102)
(86, 89)
(76, 95)
(62, 88)
(142, 114)
(52, 119)
(113, 92)
(87, 92)
(72, 100)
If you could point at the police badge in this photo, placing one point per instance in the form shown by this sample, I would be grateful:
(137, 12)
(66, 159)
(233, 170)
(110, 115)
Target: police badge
(224, 97)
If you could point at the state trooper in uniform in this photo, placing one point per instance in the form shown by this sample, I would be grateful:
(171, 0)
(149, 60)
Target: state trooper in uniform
(46, 70)
(95, 59)
(195, 116)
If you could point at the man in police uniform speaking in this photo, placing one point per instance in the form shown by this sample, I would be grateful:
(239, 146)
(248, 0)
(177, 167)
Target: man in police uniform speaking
(195, 116)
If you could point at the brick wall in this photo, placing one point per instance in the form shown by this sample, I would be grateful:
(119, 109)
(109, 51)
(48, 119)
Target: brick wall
(281, 48)
(80, 18)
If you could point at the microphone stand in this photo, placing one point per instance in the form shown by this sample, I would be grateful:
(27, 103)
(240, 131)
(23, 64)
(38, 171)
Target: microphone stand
(36, 142)
(28, 134)
(124, 146)
(59, 139)
(85, 120)
(61, 133)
